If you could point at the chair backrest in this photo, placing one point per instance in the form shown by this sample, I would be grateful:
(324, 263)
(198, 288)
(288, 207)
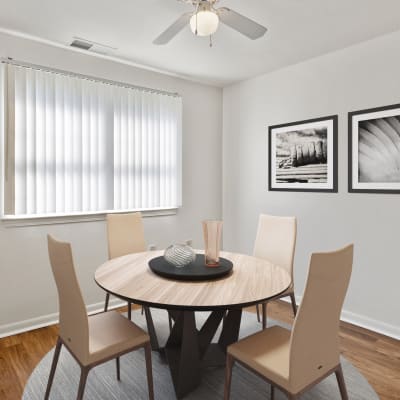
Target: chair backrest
(276, 240)
(125, 234)
(314, 347)
(74, 329)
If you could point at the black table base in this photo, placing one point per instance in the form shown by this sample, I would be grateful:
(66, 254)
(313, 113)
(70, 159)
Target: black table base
(189, 349)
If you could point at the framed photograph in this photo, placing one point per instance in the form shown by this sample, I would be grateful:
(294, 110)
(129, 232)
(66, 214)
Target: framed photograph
(303, 155)
(374, 150)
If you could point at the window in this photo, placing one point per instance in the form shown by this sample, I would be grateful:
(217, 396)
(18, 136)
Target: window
(76, 145)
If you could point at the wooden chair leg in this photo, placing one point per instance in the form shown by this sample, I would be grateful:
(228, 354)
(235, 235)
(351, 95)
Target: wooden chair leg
(82, 382)
(106, 302)
(53, 367)
(294, 306)
(118, 369)
(147, 352)
(272, 392)
(130, 311)
(258, 312)
(228, 376)
(341, 383)
(264, 315)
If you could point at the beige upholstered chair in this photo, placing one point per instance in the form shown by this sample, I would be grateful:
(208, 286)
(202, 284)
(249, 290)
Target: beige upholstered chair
(295, 361)
(95, 339)
(125, 235)
(276, 242)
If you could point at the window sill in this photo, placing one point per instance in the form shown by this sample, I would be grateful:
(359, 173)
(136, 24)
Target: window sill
(12, 221)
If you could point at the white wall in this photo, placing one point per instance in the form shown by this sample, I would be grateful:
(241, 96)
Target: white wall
(27, 291)
(362, 76)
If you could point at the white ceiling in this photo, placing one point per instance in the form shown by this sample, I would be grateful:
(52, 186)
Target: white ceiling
(297, 30)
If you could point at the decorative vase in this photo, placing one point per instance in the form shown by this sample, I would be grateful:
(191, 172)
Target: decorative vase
(212, 241)
(179, 255)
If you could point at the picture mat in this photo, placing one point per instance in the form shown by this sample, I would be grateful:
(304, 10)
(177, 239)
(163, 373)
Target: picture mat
(356, 119)
(329, 184)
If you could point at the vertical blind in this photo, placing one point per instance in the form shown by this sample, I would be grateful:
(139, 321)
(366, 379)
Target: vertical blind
(77, 145)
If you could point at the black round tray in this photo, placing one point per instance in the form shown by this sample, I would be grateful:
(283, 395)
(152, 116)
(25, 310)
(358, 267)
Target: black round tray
(195, 271)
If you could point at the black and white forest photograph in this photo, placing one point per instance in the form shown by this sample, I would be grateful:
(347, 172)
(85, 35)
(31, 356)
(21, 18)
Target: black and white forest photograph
(374, 150)
(302, 155)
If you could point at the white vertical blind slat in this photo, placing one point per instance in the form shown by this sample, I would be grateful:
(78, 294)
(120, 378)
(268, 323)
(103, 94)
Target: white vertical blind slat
(68, 145)
(150, 150)
(117, 149)
(50, 145)
(85, 160)
(31, 142)
(138, 146)
(124, 153)
(76, 147)
(156, 154)
(145, 156)
(20, 139)
(162, 153)
(102, 177)
(130, 151)
(40, 154)
(59, 134)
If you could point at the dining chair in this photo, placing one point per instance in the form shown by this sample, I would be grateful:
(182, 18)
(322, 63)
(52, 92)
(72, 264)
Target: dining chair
(276, 242)
(125, 235)
(95, 339)
(296, 360)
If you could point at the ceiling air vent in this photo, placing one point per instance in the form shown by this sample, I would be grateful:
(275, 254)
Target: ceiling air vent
(94, 47)
(80, 44)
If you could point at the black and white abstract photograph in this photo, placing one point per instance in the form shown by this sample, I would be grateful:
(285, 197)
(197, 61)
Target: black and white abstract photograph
(303, 155)
(374, 150)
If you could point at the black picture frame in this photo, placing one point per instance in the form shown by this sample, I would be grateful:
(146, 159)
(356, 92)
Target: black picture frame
(303, 184)
(358, 173)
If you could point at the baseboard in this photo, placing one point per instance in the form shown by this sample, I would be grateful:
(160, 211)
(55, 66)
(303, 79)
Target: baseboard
(51, 319)
(364, 322)
(371, 324)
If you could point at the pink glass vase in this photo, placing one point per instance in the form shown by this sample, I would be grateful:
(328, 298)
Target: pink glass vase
(212, 241)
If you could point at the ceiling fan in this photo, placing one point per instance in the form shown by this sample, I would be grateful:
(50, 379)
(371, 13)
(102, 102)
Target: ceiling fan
(205, 18)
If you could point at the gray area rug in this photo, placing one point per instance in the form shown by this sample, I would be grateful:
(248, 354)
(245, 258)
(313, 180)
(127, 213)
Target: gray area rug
(103, 385)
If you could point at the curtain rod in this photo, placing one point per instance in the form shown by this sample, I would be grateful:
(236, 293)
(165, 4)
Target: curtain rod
(87, 77)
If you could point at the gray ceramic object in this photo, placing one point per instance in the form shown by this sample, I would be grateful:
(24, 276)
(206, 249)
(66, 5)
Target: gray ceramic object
(179, 255)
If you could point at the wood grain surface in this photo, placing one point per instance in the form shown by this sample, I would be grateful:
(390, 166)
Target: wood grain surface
(251, 281)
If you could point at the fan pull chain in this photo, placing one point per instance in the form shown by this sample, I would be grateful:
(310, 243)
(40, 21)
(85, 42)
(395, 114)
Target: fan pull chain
(197, 13)
(211, 43)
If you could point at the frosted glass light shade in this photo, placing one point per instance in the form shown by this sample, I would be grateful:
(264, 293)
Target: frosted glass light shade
(205, 21)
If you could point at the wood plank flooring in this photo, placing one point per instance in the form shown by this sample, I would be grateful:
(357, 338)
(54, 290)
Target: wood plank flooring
(376, 356)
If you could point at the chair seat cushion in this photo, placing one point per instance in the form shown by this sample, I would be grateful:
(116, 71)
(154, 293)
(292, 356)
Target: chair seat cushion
(266, 352)
(110, 333)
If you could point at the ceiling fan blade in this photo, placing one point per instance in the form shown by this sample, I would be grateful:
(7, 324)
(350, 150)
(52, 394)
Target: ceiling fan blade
(242, 24)
(174, 29)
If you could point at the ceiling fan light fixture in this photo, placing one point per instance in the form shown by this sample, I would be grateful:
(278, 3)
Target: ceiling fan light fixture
(204, 23)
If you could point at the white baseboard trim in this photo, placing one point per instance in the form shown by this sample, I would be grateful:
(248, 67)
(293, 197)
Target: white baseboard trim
(51, 319)
(364, 322)
(371, 324)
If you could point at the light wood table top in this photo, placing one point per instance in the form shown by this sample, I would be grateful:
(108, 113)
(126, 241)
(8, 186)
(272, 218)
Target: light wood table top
(252, 281)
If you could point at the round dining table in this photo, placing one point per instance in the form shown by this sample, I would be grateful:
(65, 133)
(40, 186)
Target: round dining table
(189, 349)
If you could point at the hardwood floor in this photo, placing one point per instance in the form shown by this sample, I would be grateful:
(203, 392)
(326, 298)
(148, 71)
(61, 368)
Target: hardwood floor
(376, 356)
